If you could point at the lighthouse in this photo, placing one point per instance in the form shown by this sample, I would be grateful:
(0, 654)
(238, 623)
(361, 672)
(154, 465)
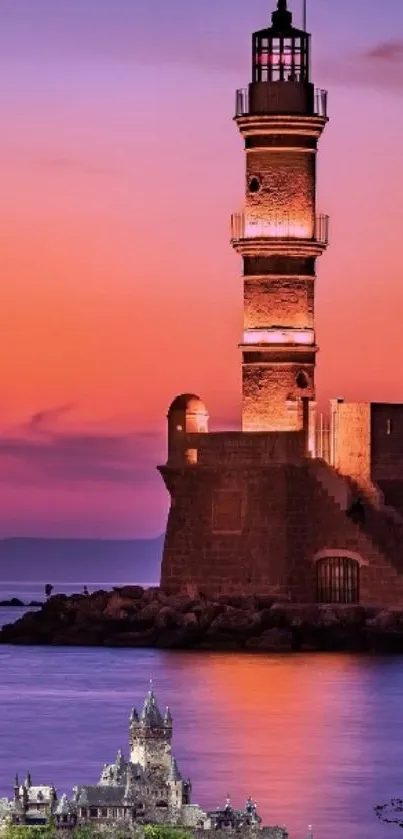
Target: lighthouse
(279, 234)
(257, 512)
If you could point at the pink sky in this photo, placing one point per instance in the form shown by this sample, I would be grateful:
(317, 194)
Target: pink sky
(120, 167)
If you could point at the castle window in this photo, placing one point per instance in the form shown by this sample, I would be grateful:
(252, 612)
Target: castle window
(337, 580)
(389, 426)
(84, 813)
(161, 804)
(302, 380)
(227, 511)
(93, 812)
(254, 185)
(104, 812)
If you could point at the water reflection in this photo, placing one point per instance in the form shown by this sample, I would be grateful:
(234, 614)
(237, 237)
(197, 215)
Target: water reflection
(314, 738)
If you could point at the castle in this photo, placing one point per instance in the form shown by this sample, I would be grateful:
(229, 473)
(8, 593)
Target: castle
(289, 505)
(147, 788)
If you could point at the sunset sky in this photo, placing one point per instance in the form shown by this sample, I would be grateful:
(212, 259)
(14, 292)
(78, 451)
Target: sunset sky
(120, 167)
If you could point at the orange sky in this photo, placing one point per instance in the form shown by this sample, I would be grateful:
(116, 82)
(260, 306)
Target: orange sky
(119, 173)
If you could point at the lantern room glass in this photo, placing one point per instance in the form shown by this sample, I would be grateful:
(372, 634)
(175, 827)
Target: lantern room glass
(280, 57)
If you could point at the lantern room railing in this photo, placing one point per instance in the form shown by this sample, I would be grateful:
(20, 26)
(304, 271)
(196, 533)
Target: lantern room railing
(278, 227)
(242, 103)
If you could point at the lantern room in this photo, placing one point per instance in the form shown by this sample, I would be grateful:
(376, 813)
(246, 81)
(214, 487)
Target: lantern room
(281, 52)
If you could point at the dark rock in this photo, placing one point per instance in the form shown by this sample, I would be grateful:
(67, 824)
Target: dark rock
(153, 594)
(181, 602)
(206, 612)
(147, 615)
(234, 621)
(14, 601)
(167, 618)
(181, 637)
(130, 592)
(273, 640)
(222, 641)
(386, 620)
(264, 601)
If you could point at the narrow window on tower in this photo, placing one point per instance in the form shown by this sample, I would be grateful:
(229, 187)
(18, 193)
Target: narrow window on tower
(254, 184)
(389, 427)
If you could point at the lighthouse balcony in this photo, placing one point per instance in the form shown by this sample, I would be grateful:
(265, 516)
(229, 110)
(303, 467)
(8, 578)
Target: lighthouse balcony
(279, 230)
(243, 109)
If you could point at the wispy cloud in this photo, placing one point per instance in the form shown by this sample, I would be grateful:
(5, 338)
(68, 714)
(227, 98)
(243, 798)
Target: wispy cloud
(43, 451)
(42, 420)
(380, 66)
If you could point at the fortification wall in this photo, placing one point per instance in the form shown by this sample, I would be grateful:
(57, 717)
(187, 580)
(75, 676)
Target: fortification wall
(235, 448)
(258, 529)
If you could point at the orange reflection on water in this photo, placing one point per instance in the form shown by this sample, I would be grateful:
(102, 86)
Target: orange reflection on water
(287, 730)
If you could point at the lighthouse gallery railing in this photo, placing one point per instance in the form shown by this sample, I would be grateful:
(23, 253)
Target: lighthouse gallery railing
(278, 227)
(319, 104)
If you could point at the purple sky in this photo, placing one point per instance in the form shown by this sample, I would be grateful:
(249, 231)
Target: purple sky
(119, 162)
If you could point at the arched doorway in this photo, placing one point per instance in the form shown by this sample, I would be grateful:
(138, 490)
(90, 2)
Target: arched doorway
(337, 579)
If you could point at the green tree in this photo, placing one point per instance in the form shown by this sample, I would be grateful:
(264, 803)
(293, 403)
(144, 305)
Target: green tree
(156, 831)
(25, 831)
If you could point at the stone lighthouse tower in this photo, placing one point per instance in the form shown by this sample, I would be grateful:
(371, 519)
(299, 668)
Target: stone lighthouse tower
(279, 235)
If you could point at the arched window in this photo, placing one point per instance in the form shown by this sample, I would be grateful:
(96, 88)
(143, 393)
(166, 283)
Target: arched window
(337, 580)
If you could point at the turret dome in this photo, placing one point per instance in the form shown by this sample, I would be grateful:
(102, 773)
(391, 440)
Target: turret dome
(188, 402)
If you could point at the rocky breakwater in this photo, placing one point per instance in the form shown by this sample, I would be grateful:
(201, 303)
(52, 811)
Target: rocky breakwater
(135, 617)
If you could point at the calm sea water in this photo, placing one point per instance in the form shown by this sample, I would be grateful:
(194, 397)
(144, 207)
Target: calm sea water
(316, 739)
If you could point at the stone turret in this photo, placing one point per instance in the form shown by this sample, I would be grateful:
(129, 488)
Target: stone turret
(187, 414)
(150, 736)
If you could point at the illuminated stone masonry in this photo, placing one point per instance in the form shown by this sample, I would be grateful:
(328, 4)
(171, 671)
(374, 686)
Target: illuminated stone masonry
(286, 507)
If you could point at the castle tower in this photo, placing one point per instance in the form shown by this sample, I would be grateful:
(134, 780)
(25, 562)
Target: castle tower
(151, 736)
(279, 236)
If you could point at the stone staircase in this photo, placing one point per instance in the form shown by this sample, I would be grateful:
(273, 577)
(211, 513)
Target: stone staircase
(377, 534)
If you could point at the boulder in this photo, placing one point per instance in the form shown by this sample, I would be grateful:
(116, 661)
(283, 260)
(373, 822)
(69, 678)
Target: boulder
(206, 612)
(167, 618)
(273, 640)
(130, 592)
(149, 612)
(386, 619)
(180, 637)
(181, 602)
(119, 607)
(234, 621)
(153, 594)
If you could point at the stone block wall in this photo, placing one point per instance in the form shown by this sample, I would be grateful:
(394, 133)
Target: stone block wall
(287, 191)
(231, 448)
(386, 441)
(270, 393)
(270, 301)
(245, 528)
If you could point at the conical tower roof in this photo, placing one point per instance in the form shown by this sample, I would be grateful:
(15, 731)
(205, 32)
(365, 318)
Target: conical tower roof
(134, 717)
(167, 716)
(174, 774)
(150, 714)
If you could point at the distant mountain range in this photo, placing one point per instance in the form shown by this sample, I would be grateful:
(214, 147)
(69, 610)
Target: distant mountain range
(81, 560)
